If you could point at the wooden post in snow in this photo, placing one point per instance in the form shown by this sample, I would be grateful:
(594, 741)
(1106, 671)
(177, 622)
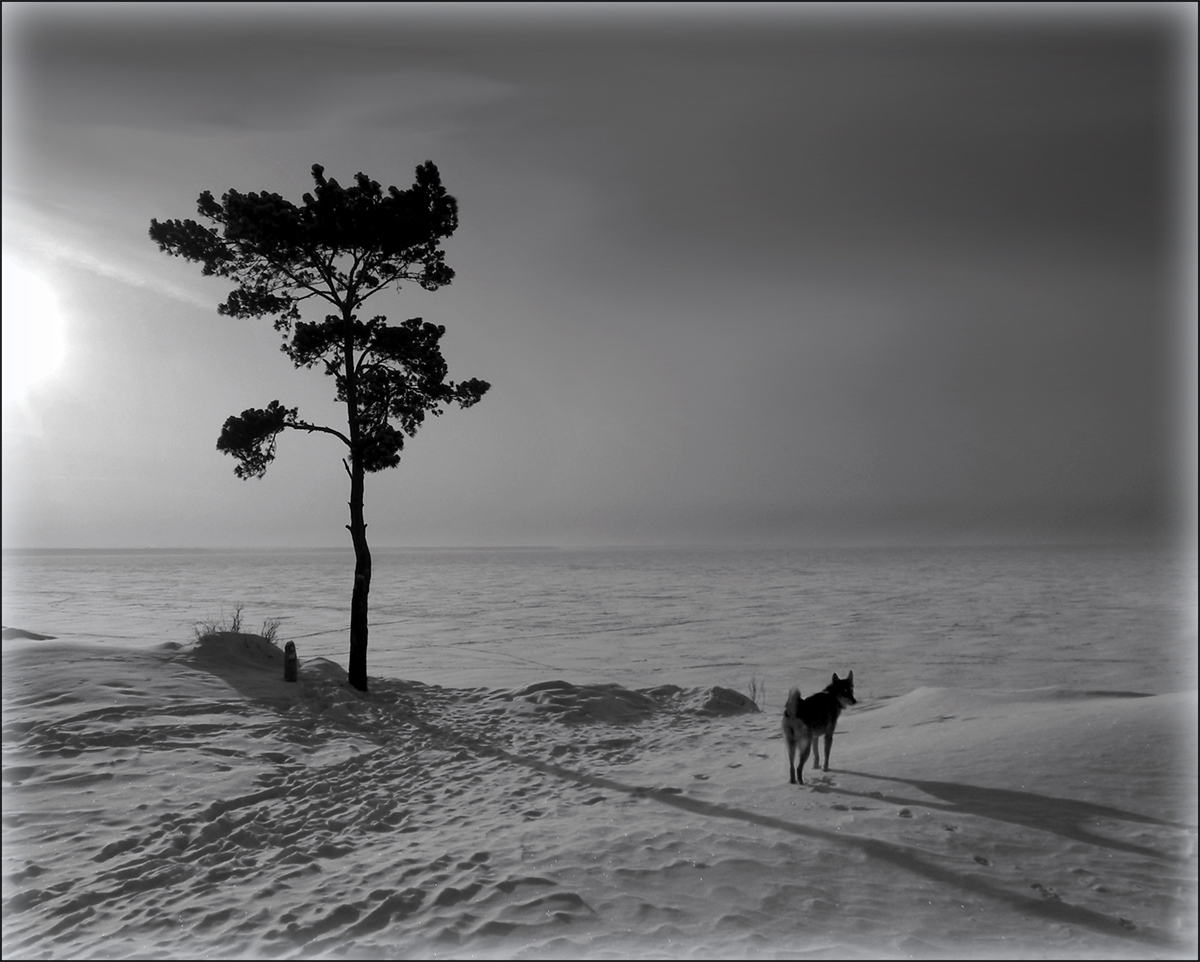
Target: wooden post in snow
(290, 666)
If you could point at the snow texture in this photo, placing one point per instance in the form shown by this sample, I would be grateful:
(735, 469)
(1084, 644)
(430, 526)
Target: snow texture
(185, 801)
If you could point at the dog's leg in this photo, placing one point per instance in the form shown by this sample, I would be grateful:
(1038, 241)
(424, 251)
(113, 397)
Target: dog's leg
(806, 741)
(828, 749)
(816, 743)
(790, 740)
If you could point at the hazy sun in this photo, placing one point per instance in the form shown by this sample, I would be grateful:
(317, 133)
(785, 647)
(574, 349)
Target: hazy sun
(35, 339)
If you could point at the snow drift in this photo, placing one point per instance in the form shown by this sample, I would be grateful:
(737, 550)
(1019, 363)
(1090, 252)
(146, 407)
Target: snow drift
(186, 801)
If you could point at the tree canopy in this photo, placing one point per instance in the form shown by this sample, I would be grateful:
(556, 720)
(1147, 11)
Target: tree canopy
(342, 245)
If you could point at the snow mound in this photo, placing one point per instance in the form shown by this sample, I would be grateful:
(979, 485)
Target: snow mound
(243, 660)
(230, 648)
(617, 704)
(10, 633)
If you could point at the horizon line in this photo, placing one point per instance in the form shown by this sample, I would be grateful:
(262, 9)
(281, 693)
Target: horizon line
(979, 542)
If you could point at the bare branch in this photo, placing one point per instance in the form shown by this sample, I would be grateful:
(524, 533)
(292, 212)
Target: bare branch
(305, 426)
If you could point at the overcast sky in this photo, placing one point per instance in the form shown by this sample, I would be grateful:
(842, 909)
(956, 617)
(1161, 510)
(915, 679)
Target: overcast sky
(765, 274)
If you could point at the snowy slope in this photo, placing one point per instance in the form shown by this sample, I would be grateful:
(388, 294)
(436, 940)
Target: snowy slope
(186, 801)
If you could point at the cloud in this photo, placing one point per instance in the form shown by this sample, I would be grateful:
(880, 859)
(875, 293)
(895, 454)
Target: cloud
(40, 239)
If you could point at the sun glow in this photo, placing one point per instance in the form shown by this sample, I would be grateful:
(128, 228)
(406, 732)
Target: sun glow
(35, 341)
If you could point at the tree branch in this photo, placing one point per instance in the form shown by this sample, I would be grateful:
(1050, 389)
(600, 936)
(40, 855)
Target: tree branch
(305, 426)
(393, 279)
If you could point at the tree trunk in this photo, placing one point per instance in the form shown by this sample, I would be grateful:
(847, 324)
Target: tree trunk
(357, 526)
(362, 580)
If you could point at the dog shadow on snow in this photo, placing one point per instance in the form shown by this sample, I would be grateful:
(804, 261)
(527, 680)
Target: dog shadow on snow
(964, 799)
(1062, 816)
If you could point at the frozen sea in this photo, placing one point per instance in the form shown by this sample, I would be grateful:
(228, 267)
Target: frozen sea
(1015, 617)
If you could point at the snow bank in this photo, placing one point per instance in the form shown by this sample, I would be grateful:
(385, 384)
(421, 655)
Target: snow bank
(11, 634)
(186, 801)
(615, 704)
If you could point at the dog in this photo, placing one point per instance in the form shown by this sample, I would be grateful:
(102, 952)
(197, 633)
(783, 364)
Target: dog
(805, 720)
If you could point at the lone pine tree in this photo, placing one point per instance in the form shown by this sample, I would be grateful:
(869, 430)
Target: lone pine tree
(342, 246)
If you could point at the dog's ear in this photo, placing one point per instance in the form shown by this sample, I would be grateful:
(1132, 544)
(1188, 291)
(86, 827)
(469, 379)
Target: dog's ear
(835, 678)
(850, 677)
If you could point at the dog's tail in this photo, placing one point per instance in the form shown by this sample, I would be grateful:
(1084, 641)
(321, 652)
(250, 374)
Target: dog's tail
(793, 704)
